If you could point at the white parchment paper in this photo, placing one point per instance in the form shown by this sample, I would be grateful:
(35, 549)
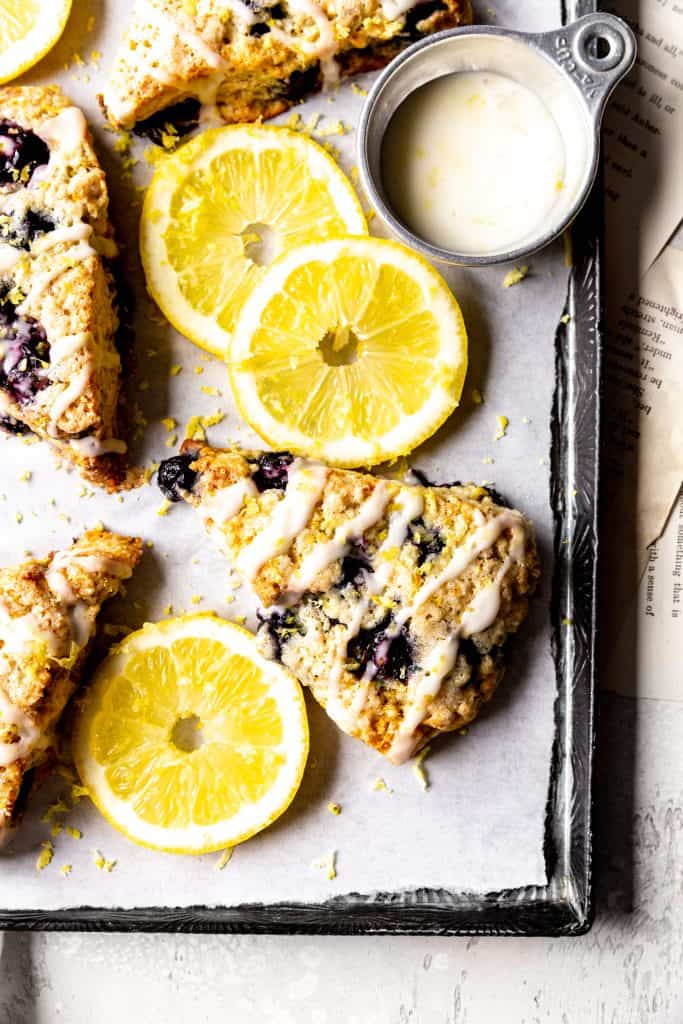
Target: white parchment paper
(480, 824)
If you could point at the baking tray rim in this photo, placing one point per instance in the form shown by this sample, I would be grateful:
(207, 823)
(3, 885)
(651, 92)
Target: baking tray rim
(565, 906)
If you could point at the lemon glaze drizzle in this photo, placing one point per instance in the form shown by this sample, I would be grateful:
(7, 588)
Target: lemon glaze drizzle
(479, 616)
(290, 516)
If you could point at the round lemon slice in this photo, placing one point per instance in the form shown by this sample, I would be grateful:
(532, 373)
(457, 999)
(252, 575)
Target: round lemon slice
(222, 207)
(28, 29)
(188, 740)
(352, 351)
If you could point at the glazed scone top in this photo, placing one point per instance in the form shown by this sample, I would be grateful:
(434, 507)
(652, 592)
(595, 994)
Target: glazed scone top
(358, 569)
(176, 48)
(57, 296)
(48, 610)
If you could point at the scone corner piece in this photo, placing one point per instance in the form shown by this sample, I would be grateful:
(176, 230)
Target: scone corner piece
(60, 369)
(48, 613)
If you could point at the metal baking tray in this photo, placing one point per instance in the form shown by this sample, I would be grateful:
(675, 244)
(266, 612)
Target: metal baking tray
(565, 905)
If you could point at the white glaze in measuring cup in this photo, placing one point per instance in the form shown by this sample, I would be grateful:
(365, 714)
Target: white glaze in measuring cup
(571, 71)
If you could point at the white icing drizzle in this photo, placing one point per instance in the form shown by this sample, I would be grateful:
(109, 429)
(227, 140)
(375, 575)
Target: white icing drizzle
(65, 132)
(90, 563)
(27, 730)
(475, 545)
(479, 616)
(173, 23)
(409, 505)
(101, 564)
(322, 555)
(60, 586)
(206, 92)
(92, 447)
(61, 236)
(225, 504)
(392, 9)
(20, 633)
(324, 47)
(68, 345)
(291, 514)
(81, 619)
(71, 393)
(9, 257)
(80, 622)
(41, 282)
(77, 611)
(243, 14)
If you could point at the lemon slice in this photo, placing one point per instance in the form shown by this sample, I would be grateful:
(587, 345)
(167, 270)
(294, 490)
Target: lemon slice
(352, 351)
(28, 29)
(225, 205)
(188, 740)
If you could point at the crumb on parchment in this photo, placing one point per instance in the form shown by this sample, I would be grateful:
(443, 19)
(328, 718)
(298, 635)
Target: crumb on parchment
(514, 276)
(224, 859)
(102, 863)
(328, 863)
(65, 870)
(380, 786)
(334, 808)
(503, 424)
(58, 807)
(418, 771)
(47, 852)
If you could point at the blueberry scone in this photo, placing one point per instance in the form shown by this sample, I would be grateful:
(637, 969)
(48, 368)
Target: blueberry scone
(59, 370)
(182, 61)
(48, 612)
(392, 602)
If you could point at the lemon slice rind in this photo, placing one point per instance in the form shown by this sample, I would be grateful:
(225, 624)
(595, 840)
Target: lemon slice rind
(22, 51)
(349, 449)
(252, 817)
(171, 173)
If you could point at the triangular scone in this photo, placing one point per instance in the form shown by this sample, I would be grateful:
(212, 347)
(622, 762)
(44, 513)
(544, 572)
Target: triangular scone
(59, 369)
(392, 602)
(48, 609)
(249, 59)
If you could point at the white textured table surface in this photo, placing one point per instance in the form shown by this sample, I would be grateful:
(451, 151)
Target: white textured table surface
(627, 970)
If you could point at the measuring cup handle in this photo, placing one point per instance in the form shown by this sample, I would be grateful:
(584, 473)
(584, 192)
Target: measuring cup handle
(597, 50)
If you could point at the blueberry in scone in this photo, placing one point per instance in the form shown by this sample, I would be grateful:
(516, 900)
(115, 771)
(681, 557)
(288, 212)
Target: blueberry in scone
(48, 612)
(59, 366)
(392, 602)
(240, 60)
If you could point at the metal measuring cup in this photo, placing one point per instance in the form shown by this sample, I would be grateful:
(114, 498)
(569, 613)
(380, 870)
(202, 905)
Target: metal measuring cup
(573, 70)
